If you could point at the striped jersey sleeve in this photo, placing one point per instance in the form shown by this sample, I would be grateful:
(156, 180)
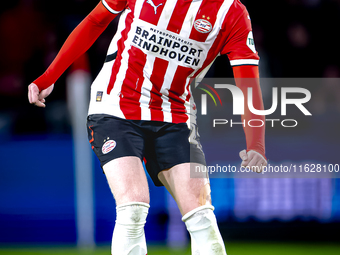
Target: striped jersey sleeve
(114, 6)
(240, 46)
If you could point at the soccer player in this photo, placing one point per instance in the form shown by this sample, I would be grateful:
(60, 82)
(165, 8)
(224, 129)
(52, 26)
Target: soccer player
(141, 106)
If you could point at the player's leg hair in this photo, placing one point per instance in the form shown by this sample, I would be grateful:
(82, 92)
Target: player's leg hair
(128, 183)
(193, 199)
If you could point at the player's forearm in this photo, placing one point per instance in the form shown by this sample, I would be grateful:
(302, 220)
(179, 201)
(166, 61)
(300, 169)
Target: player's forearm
(78, 42)
(245, 77)
(255, 136)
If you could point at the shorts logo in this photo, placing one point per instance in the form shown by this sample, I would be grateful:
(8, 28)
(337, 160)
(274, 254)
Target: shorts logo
(203, 26)
(108, 146)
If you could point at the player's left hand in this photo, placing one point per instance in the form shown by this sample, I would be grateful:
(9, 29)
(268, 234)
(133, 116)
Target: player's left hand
(38, 97)
(254, 160)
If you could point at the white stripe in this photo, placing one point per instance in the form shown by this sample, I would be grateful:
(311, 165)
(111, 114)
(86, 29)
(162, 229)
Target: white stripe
(189, 18)
(109, 103)
(145, 100)
(146, 88)
(221, 14)
(166, 105)
(137, 9)
(121, 25)
(109, 8)
(186, 91)
(188, 104)
(244, 62)
(166, 14)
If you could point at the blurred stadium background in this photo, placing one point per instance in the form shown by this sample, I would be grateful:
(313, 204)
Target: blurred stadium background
(39, 196)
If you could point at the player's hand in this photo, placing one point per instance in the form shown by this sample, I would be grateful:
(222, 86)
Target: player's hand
(254, 160)
(36, 97)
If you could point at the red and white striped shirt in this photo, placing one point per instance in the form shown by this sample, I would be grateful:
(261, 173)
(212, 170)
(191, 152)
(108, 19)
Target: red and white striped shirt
(160, 45)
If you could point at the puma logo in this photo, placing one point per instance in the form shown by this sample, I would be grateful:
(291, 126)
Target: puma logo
(153, 5)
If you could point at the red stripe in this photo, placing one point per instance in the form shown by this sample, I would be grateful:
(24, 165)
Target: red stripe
(132, 85)
(157, 78)
(121, 47)
(177, 89)
(178, 15)
(207, 12)
(148, 12)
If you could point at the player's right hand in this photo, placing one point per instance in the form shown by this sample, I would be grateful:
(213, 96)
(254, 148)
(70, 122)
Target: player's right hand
(38, 97)
(253, 160)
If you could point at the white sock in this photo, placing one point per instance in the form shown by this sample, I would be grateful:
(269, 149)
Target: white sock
(205, 236)
(128, 236)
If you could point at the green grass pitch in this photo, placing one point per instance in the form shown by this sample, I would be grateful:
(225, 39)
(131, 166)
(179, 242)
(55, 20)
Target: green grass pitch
(233, 248)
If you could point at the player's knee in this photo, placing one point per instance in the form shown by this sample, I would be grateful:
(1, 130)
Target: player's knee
(128, 235)
(133, 212)
(132, 216)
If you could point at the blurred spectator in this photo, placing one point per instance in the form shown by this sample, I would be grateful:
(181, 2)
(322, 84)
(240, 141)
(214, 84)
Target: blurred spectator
(22, 29)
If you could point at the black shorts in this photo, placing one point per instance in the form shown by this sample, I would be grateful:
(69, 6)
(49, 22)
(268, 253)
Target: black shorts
(161, 145)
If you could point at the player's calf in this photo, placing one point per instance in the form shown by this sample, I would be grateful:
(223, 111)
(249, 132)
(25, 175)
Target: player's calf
(128, 235)
(205, 235)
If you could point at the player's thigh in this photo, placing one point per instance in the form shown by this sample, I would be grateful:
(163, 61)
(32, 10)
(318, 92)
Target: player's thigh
(127, 180)
(119, 145)
(188, 192)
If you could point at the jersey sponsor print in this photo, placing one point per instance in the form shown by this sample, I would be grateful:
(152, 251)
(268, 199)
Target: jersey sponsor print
(160, 45)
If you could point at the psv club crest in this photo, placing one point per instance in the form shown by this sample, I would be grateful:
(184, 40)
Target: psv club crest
(108, 146)
(203, 26)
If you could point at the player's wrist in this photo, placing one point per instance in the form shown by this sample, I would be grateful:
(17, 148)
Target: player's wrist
(259, 151)
(42, 82)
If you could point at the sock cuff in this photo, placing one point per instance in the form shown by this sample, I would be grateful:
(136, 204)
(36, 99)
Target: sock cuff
(192, 212)
(132, 203)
